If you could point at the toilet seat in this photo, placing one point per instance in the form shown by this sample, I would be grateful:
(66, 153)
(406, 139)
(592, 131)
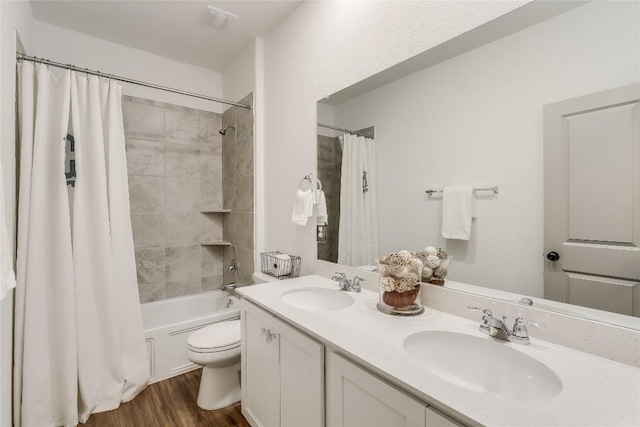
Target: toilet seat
(215, 338)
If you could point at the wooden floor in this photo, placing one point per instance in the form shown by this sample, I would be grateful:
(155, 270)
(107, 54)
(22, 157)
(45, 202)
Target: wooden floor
(169, 403)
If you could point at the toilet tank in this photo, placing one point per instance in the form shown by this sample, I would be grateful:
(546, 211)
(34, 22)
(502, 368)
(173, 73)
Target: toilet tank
(259, 277)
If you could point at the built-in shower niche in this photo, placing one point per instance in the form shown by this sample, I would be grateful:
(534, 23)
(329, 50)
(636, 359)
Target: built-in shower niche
(178, 212)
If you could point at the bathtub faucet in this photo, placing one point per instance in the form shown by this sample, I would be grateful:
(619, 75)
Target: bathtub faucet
(229, 287)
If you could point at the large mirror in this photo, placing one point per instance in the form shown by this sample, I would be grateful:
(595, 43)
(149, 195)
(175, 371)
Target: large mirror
(472, 113)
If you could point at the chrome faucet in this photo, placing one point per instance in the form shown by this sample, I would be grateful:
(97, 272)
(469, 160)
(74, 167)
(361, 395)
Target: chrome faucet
(498, 328)
(348, 285)
(229, 287)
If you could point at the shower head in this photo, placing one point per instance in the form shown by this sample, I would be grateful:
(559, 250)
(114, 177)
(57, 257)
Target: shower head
(224, 131)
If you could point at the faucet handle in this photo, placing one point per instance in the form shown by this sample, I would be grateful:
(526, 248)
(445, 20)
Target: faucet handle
(520, 321)
(357, 282)
(487, 316)
(520, 333)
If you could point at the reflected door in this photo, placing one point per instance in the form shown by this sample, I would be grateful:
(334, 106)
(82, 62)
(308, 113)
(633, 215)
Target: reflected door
(592, 200)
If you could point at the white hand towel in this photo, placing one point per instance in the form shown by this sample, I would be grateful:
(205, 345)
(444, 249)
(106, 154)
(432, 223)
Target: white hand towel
(322, 217)
(302, 207)
(458, 209)
(7, 276)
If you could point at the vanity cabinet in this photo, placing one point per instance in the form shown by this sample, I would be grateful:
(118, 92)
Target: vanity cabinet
(284, 377)
(282, 372)
(357, 398)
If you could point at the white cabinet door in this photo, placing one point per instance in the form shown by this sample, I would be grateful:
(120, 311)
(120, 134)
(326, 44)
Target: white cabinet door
(260, 368)
(301, 379)
(357, 398)
(282, 373)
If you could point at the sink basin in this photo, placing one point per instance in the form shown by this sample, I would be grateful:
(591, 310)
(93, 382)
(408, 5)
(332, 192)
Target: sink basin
(317, 299)
(483, 365)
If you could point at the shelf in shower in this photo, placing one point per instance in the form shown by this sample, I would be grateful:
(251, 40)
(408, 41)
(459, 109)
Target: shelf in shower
(216, 243)
(206, 211)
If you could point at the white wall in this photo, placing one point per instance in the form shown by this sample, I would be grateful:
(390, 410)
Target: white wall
(239, 78)
(62, 45)
(14, 16)
(321, 48)
(477, 120)
(327, 116)
(243, 76)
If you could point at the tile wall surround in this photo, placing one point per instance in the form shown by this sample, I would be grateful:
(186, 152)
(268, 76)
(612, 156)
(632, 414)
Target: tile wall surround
(329, 173)
(174, 162)
(238, 190)
(611, 342)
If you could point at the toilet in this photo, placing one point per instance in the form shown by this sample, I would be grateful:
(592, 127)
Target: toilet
(217, 349)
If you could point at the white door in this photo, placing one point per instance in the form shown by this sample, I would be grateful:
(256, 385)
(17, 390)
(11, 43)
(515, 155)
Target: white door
(355, 398)
(592, 200)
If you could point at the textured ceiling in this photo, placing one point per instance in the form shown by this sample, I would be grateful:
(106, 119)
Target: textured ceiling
(169, 28)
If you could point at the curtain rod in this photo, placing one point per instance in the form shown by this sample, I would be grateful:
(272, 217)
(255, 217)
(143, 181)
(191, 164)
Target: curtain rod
(322, 125)
(22, 57)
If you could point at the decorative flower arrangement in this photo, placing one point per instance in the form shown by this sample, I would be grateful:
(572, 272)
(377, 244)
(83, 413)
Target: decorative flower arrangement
(400, 275)
(436, 261)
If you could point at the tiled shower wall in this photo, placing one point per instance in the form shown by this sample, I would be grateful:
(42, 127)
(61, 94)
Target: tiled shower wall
(174, 160)
(238, 190)
(329, 174)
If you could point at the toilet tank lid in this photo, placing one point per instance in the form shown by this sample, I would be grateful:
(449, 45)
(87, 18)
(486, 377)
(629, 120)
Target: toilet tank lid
(217, 335)
(259, 277)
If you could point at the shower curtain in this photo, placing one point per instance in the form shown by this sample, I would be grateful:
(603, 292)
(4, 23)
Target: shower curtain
(79, 341)
(358, 232)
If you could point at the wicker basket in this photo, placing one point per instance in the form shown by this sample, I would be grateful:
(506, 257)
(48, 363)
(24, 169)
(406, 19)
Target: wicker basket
(279, 265)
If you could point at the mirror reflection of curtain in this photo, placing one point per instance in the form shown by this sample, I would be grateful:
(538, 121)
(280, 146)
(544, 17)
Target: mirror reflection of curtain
(79, 340)
(358, 239)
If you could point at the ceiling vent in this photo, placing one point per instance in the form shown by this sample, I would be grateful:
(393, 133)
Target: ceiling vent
(217, 18)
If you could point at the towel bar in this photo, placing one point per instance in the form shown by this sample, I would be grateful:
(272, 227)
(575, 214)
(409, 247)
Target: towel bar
(309, 178)
(495, 190)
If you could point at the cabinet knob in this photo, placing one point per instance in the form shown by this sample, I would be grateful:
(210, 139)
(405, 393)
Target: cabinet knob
(553, 256)
(270, 336)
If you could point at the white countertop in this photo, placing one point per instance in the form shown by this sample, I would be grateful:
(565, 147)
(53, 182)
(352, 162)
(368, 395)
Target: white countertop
(596, 391)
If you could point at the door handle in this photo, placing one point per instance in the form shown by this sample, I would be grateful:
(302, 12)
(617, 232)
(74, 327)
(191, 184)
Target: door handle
(553, 256)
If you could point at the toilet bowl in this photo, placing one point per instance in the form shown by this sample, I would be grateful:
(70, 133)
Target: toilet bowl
(217, 349)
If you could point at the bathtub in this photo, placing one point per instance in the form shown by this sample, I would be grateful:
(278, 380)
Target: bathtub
(168, 323)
